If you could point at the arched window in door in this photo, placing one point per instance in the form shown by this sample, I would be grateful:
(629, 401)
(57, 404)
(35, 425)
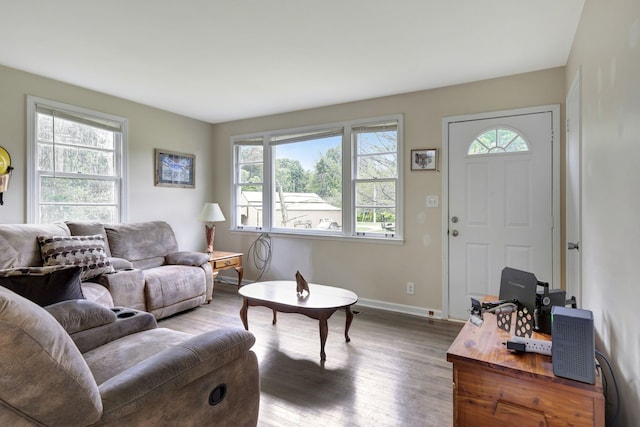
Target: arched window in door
(497, 141)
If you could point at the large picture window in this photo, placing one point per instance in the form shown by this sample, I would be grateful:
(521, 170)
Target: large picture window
(340, 179)
(75, 163)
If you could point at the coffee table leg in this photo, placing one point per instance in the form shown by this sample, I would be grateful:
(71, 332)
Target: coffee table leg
(324, 331)
(348, 323)
(243, 313)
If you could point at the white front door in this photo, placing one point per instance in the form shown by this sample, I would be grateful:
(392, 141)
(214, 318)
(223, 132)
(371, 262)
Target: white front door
(500, 202)
(573, 275)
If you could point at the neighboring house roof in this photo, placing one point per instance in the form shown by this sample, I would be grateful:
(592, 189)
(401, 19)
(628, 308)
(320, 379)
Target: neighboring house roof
(294, 201)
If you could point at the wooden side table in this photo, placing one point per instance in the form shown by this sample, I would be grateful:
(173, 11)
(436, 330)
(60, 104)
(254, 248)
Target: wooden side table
(220, 261)
(493, 386)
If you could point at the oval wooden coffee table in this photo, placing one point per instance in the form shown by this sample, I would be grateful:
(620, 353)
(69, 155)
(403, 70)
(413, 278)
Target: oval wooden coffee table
(280, 295)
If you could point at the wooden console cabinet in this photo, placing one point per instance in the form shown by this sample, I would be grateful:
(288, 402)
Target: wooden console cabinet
(493, 386)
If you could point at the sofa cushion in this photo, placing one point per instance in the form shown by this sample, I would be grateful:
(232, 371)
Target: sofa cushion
(172, 284)
(43, 358)
(87, 252)
(141, 240)
(8, 255)
(117, 356)
(44, 285)
(146, 263)
(88, 228)
(23, 239)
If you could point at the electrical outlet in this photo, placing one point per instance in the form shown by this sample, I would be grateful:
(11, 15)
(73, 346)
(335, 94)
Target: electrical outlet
(410, 288)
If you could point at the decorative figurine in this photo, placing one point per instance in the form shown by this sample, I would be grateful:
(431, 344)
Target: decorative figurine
(301, 285)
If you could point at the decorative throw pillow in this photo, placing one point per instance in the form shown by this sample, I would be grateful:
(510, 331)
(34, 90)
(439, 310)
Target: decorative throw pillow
(87, 252)
(44, 285)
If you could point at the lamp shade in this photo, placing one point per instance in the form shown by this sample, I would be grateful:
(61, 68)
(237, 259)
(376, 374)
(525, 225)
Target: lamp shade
(211, 212)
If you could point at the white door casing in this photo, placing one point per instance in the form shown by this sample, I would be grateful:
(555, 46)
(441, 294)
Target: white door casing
(573, 212)
(500, 207)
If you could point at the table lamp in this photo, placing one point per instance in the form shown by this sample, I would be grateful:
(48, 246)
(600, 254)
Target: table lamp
(211, 213)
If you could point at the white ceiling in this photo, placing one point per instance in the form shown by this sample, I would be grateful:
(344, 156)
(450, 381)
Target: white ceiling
(221, 60)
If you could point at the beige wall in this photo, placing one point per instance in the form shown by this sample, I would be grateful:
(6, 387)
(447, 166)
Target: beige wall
(149, 128)
(607, 50)
(380, 272)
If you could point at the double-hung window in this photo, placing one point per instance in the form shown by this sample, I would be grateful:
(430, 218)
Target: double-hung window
(76, 163)
(339, 180)
(375, 181)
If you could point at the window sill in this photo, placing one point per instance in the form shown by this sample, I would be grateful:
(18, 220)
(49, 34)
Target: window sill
(335, 237)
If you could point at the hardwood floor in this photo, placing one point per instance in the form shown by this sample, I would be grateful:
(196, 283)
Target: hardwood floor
(393, 372)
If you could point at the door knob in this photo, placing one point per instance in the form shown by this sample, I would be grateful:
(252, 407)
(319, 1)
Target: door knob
(454, 233)
(572, 246)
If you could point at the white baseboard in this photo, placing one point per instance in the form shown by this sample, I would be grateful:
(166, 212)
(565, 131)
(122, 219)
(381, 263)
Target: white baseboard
(230, 280)
(401, 308)
(362, 302)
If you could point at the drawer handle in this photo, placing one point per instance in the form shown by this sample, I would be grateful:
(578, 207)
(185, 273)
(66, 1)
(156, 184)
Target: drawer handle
(227, 263)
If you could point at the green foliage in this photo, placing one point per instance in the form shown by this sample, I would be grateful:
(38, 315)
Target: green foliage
(291, 176)
(326, 180)
(379, 215)
(66, 190)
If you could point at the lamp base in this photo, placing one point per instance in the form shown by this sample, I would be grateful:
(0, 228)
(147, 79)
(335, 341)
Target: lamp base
(210, 233)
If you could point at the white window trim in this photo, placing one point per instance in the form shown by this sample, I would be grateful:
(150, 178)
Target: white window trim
(348, 183)
(33, 189)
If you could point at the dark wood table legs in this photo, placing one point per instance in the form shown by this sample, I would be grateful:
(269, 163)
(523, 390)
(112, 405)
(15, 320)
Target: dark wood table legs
(348, 323)
(322, 315)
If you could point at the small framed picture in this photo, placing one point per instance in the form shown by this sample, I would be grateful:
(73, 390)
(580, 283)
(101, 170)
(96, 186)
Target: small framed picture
(174, 169)
(424, 159)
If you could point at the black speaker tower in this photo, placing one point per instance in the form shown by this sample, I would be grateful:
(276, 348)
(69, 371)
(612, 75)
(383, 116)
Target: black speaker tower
(573, 344)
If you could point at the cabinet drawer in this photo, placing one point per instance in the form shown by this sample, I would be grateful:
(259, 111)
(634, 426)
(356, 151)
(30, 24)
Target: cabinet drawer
(484, 397)
(226, 263)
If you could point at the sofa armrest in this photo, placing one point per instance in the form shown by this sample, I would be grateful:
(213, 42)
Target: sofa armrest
(91, 325)
(169, 371)
(195, 259)
(80, 315)
(208, 274)
(126, 288)
(120, 263)
(128, 321)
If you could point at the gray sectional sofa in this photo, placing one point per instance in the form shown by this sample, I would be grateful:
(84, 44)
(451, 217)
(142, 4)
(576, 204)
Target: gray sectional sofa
(142, 267)
(78, 363)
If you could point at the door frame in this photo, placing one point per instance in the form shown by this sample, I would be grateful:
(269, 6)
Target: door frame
(554, 109)
(575, 91)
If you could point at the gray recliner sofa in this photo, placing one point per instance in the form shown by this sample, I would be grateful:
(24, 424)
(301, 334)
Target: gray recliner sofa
(77, 363)
(149, 272)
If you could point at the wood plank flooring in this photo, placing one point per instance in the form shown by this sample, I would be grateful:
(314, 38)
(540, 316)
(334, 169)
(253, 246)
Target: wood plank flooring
(393, 372)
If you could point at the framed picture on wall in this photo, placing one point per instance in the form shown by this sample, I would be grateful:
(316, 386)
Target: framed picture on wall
(424, 159)
(174, 169)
